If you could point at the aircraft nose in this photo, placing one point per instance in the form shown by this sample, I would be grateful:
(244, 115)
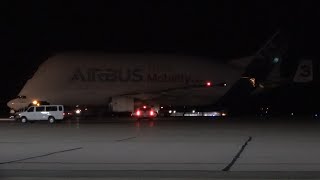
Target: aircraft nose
(12, 104)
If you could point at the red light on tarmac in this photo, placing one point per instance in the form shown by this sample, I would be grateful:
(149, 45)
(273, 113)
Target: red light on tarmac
(151, 124)
(137, 124)
(138, 113)
(151, 113)
(208, 84)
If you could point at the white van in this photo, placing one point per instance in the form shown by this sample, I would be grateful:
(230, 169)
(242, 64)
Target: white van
(42, 112)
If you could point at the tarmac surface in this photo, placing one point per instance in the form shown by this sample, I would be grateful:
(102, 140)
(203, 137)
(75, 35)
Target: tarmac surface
(192, 148)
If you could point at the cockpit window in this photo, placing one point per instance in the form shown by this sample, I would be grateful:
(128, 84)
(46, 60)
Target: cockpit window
(22, 97)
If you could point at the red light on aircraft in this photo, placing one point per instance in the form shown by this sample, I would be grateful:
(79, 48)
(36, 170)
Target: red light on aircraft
(138, 113)
(144, 107)
(208, 84)
(151, 113)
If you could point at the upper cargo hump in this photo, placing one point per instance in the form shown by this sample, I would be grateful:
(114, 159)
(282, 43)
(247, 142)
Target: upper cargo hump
(304, 72)
(241, 63)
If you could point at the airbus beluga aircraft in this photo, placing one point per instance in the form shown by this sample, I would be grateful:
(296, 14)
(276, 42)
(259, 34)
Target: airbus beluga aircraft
(123, 80)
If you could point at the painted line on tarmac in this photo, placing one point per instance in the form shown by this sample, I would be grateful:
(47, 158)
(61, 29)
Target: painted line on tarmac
(160, 174)
(126, 139)
(235, 158)
(44, 155)
(116, 163)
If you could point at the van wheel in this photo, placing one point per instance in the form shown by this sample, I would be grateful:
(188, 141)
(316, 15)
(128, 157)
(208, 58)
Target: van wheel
(51, 120)
(24, 120)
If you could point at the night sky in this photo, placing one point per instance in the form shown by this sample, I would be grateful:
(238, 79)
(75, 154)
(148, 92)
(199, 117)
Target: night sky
(32, 31)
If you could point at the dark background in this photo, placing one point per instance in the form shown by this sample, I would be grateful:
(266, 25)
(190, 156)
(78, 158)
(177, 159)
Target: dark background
(31, 31)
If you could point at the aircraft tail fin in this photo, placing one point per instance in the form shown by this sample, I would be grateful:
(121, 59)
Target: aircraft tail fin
(271, 51)
(304, 72)
(268, 58)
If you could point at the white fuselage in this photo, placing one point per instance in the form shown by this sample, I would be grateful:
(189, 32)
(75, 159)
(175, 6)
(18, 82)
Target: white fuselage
(92, 79)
